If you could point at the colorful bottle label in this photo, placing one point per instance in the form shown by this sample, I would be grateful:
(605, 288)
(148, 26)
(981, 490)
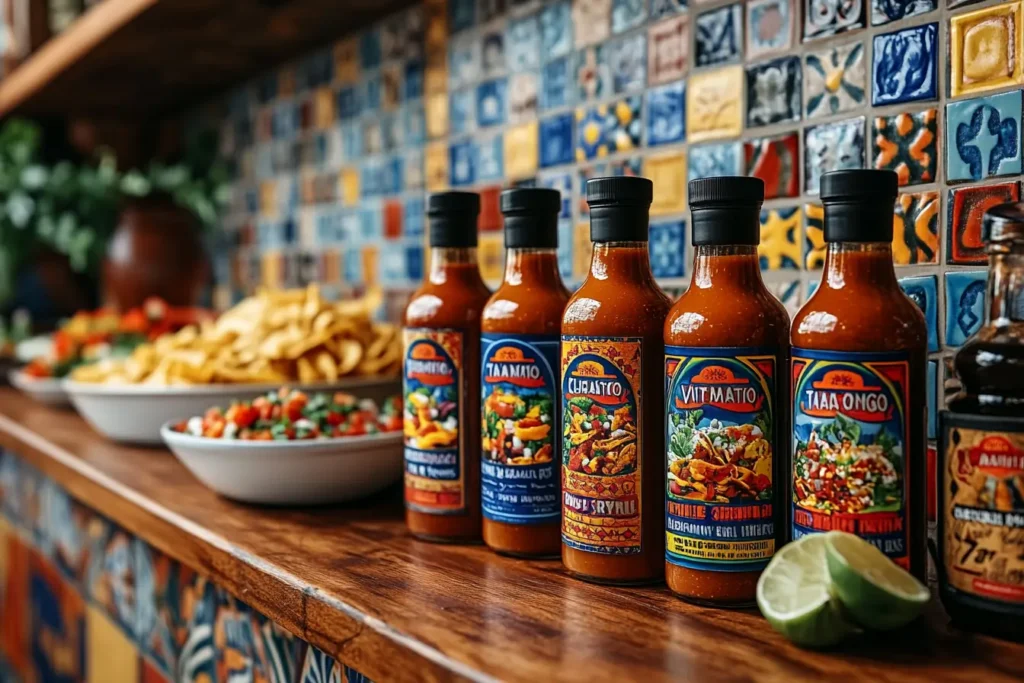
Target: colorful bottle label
(720, 431)
(519, 480)
(601, 427)
(983, 506)
(432, 389)
(851, 441)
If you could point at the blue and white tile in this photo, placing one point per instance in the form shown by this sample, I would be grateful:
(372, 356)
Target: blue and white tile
(965, 304)
(373, 92)
(561, 181)
(492, 103)
(565, 235)
(462, 163)
(983, 137)
(592, 73)
(556, 29)
(771, 25)
(461, 14)
(465, 62)
(414, 261)
(626, 61)
(832, 147)
(834, 80)
(667, 8)
(668, 249)
(773, 92)
(627, 14)
(608, 128)
(933, 398)
(351, 141)
(413, 166)
(490, 155)
(414, 216)
(522, 97)
(592, 21)
(492, 52)
(719, 35)
(350, 102)
(523, 43)
(885, 11)
(666, 114)
(788, 293)
(392, 128)
(715, 160)
(412, 87)
(823, 18)
(557, 86)
(905, 65)
(461, 112)
(923, 291)
(414, 119)
(370, 49)
(556, 140)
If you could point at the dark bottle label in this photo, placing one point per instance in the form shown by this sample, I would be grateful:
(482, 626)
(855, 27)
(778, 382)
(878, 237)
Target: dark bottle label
(519, 481)
(720, 431)
(851, 436)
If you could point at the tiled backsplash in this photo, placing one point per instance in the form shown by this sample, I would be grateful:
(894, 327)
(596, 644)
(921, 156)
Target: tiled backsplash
(335, 152)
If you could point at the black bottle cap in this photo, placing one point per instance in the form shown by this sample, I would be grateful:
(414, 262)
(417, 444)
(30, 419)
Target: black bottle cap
(726, 210)
(619, 208)
(453, 218)
(859, 205)
(1003, 223)
(531, 217)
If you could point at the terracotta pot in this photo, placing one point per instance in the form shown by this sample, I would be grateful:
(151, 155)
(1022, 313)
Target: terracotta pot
(157, 250)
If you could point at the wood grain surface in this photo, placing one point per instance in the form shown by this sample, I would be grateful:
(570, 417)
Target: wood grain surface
(352, 582)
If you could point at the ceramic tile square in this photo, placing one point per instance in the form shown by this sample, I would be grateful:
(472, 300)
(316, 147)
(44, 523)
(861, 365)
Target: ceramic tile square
(57, 623)
(522, 98)
(346, 62)
(964, 208)
(523, 43)
(668, 173)
(587, 173)
(666, 114)
(923, 291)
(885, 11)
(435, 78)
(465, 61)
(373, 93)
(834, 80)
(435, 166)
(490, 209)
(392, 219)
(437, 115)
(565, 234)
(907, 144)
(490, 249)
(593, 77)
(905, 65)
(666, 8)
(832, 147)
(158, 592)
(965, 304)
(558, 87)
(608, 128)
(319, 667)
(562, 182)
(788, 294)
(414, 120)
(556, 140)
(461, 14)
(668, 250)
(781, 245)
(771, 27)
(110, 578)
(461, 112)
(916, 228)
(984, 49)
(625, 60)
(492, 50)
(714, 104)
(776, 161)
(592, 21)
(582, 250)
(556, 29)
(706, 161)
(823, 18)
(492, 103)
(111, 656)
(719, 35)
(414, 262)
(369, 49)
(814, 238)
(490, 164)
(773, 92)
(521, 151)
(983, 137)
(668, 49)
(627, 14)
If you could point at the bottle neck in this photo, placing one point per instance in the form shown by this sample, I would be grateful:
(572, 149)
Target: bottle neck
(1005, 284)
(526, 266)
(453, 264)
(859, 264)
(622, 260)
(731, 265)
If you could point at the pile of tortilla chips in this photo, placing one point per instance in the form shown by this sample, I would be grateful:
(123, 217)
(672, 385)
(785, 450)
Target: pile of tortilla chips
(273, 337)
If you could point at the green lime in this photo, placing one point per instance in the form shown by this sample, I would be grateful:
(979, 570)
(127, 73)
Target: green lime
(876, 591)
(793, 594)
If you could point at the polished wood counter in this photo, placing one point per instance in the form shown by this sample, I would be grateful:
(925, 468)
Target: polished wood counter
(352, 582)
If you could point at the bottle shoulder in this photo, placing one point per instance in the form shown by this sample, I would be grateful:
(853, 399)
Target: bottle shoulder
(859, 320)
(616, 307)
(447, 304)
(727, 317)
(528, 310)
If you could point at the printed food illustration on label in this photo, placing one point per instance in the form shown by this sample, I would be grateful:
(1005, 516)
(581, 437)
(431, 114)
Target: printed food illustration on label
(432, 400)
(719, 513)
(601, 408)
(519, 481)
(850, 437)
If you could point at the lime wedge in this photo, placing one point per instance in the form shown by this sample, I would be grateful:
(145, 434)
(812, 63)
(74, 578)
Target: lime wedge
(876, 592)
(793, 594)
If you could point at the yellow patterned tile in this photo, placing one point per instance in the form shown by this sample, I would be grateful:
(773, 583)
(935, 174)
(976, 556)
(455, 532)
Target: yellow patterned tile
(489, 250)
(814, 236)
(323, 108)
(582, 250)
(348, 180)
(346, 61)
(435, 166)
(268, 199)
(371, 260)
(668, 173)
(521, 151)
(985, 49)
(272, 267)
(435, 80)
(110, 655)
(781, 242)
(437, 115)
(714, 103)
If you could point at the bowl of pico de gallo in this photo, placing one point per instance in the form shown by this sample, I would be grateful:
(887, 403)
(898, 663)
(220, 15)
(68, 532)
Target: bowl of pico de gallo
(291, 448)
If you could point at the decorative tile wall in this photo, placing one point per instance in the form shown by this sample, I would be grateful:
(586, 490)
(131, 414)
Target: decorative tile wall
(334, 152)
(83, 600)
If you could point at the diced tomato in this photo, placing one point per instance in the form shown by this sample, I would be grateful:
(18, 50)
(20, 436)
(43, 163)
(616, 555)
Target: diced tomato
(262, 435)
(242, 415)
(63, 345)
(215, 429)
(334, 418)
(293, 408)
(135, 321)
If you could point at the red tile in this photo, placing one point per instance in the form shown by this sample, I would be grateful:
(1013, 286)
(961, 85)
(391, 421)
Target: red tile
(776, 161)
(966, 207)
(392, 220)
(14, 602)
(490, 209)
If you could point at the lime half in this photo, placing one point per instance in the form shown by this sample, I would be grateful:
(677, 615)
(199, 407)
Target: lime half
(876, 591)
(793, 594)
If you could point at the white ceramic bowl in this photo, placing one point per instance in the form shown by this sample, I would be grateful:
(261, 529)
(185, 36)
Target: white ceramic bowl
(134, 413)
(46, 390)
(291, 472)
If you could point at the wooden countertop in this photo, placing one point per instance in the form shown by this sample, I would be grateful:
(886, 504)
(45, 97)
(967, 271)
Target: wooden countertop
(352, 582)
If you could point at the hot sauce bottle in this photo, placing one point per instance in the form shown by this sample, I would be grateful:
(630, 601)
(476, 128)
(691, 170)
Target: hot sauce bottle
(441, 386)
(981, 447)
(726, 371)
(520, 482)
(859, 361)
(613, 443)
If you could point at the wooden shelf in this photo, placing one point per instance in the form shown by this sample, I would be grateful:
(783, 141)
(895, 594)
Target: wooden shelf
(351, 581)
(131, 58)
